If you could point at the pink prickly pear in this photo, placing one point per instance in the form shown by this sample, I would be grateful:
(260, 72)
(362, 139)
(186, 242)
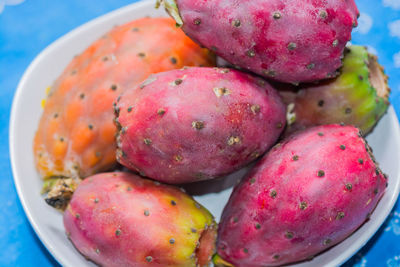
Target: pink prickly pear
(289, 41)
(197, 123)
(306, 195)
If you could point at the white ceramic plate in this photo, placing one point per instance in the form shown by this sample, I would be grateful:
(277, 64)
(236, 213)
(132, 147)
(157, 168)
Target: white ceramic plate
(47, 222)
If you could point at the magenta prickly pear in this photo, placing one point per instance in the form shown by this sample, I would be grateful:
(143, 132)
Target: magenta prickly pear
(306, 195)
(197, 123)
(289, 41)
(120, 219)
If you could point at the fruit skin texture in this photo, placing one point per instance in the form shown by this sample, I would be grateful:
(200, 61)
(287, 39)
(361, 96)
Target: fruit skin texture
(286, 40)
(76, 134)
(120, 219)
(359, 96)
(197, 123)
(306, 195)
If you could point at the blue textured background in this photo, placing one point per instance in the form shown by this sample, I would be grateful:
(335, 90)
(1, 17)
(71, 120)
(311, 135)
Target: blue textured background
(27, 28)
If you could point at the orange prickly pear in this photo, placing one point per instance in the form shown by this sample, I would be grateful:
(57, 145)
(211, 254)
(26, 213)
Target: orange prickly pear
(76, 134)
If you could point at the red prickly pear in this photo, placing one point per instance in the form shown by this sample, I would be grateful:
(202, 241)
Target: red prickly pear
(197, 123)
(120, 219)
(306, 195)
(285, 40)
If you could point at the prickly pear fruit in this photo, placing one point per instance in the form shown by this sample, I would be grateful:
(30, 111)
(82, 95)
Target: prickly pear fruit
(76, 134)
(289, 41)
(358, 96)
(197, 123)
(306, 195)
(120, 219)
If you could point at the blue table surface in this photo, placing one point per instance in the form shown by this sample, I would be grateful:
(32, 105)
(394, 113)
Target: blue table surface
(27, 27)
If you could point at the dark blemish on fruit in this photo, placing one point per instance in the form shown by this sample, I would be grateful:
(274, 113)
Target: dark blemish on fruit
(251, 53)
(289, 235)
(178, 158)
(303, 205)
(198, 125)
(161, 111)
(233, 140)
(340, 215)
(323, 14)
(147, 141)
(118, 232)
(197, 21)
(178, 81)
(221, 91)
(236, 23)
(255, 109)
(349, 187)
(292, 46)
(277, 15)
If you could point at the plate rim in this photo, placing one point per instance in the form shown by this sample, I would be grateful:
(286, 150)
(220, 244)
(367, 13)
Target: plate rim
(340, 259)
(15, 103)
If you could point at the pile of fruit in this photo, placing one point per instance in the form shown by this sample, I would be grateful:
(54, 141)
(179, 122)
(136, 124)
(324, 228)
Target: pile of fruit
(148, 100)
